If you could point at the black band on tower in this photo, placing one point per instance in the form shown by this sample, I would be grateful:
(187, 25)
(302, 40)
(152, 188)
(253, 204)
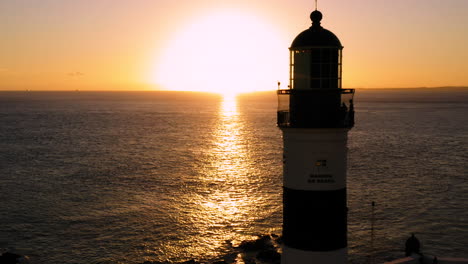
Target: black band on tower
(315, 220)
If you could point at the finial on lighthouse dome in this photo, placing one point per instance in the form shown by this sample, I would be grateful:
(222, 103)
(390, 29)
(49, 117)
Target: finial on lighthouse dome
(316, 17)
(316, 35)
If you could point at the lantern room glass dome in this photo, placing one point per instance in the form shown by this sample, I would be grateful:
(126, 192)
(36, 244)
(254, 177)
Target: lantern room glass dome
(314, 97)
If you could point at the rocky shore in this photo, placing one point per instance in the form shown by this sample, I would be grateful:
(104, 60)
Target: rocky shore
(12, 258)
(264, 250)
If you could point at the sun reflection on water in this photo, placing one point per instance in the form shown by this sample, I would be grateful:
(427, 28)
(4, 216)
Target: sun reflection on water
(221, 196)
(229, 106)
(226, 205)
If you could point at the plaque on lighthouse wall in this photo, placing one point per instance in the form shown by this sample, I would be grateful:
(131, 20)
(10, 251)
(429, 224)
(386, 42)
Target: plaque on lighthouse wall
(316, 161)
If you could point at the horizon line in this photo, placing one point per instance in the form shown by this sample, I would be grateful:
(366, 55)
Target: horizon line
(272, 90)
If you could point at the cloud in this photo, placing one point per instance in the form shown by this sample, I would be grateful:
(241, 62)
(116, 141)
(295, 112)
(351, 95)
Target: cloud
(7, 72)
(76, 74)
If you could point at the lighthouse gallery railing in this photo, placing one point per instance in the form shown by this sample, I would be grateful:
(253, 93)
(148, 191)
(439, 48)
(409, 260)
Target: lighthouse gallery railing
(315, 108)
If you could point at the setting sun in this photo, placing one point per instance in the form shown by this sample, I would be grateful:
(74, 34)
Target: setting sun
(225, 52)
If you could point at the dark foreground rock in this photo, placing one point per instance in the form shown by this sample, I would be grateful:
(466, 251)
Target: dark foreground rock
(264, 242)
(12, 258)
(264, 250)
(269, 256)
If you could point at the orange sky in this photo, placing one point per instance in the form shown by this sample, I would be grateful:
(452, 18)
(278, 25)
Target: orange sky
(124, 44)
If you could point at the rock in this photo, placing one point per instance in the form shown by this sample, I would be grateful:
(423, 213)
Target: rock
(229, 258)
(264, 242)
(12, 258)
(249, 261)
(8, 258)
(269, 255)
(279, 239)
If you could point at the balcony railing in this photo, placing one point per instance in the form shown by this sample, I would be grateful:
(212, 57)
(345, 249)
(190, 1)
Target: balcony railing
(316, 108)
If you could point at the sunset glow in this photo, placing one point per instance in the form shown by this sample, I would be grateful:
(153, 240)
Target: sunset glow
(224, 46)
(224, 52)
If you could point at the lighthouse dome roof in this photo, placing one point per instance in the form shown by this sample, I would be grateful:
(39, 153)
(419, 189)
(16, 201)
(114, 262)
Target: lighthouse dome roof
(316, 35)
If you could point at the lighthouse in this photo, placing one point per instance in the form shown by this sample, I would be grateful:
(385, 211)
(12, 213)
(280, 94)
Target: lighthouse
(315, 115)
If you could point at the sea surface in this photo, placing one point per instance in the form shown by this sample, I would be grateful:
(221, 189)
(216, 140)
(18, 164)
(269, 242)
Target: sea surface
(128, 177)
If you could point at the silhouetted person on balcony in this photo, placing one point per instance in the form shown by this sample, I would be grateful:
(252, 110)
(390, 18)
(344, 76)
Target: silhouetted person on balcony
(344, 107)
(343, 114)
(351, 112)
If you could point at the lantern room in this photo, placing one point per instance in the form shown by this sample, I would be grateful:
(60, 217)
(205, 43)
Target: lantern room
(314, 98)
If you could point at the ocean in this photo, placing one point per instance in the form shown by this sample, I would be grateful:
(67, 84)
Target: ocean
(129, 177)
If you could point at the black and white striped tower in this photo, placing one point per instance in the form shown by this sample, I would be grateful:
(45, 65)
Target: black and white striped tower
(315, 115)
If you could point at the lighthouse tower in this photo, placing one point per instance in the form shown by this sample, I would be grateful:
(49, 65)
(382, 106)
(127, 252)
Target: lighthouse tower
(315, 115)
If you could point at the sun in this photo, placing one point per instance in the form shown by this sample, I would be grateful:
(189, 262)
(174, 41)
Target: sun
(225, 52)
